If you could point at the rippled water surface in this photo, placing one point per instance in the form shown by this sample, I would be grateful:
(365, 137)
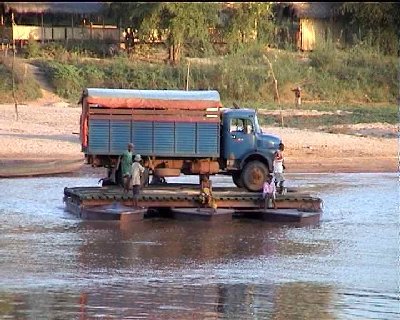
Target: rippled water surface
(55, 266)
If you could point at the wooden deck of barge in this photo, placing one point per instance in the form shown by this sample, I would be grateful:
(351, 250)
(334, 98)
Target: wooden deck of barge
(180, 200)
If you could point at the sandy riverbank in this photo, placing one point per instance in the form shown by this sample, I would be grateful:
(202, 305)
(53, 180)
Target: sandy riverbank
(45, 140)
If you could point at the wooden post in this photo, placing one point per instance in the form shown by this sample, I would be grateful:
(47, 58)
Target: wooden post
(187, 76)
(12, 29)
(2, 24)
(52, 30)
(41, 16)
(72, 25)
(119, 34)
(83, 29)
(104, 28)
(301, 35)
(13, 82)
(276, 89)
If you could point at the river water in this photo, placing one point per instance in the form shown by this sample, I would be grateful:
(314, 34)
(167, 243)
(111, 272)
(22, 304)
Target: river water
(55, 266)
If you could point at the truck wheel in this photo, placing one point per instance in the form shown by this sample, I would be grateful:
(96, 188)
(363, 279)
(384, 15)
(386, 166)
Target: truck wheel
(237, 179)
(254, 175)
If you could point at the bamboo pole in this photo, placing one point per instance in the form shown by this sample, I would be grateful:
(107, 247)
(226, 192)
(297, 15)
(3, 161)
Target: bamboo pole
(276, 89)
(13, 81)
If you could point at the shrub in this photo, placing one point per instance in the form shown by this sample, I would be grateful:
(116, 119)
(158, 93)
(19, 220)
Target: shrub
(116, 73)
(245, 77)
(66, 79)
(25, 86)
(93, 76)
(32, 49)
(54, 50)
(324, 56)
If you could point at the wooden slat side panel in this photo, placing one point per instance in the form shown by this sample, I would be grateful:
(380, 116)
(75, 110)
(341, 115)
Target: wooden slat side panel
(99, 137)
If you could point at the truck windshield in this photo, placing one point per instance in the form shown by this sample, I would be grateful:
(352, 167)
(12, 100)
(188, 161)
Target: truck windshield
(257, 128)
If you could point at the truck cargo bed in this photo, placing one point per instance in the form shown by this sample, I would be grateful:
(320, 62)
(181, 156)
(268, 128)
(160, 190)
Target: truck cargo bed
(154, 137)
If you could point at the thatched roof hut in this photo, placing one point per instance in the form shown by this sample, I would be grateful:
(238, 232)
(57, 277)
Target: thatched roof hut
(54, 21)
(55, 7)
(314, 10)
(313, 21)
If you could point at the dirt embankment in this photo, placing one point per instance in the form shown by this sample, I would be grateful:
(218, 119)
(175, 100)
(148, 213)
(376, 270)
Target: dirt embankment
(318, 152)
(45, 140)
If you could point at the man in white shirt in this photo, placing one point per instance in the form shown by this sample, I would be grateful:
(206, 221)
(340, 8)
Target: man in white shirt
(136, 174)
(279, 166)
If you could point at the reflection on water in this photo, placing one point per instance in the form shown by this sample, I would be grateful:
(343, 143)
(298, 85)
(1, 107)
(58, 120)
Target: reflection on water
(56, 266)
(168, 301)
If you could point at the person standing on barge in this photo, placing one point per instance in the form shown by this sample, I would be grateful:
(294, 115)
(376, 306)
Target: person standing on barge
(279, 166)
(126, 164)
(137, 171)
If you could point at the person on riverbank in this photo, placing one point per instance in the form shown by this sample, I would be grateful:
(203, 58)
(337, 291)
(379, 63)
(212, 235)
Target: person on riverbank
(136, 173)
(279, 166)
(297, 96)
(269, 192)
(126, 164)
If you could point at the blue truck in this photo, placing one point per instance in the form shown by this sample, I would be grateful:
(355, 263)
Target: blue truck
(176, 132)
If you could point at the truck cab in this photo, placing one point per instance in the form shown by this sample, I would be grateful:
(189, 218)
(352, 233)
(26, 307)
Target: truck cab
(247, 153)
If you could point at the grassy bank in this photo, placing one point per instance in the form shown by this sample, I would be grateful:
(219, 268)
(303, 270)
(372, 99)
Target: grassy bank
(25, 88)
(327, 115)
(358, 80)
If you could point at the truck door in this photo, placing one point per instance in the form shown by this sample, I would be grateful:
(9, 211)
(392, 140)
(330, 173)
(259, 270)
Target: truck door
(240, 138)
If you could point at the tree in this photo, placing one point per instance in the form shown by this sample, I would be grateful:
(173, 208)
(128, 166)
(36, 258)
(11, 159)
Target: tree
(190, 23)
(185, 22)
(245, 21)
(133, 13)
(379, 21)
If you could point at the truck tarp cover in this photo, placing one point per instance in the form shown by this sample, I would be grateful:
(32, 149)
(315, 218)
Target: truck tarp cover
(153, 99)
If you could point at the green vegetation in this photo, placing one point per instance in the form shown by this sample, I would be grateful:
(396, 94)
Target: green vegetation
(361, 79)
(25, 86)
(378, 24)
(188, 24)
(325, 75)
(32, 49)
(335, 115)
(358, 81)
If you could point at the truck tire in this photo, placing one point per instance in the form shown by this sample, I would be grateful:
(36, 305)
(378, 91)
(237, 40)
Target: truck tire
(254, 175)
(237, 179)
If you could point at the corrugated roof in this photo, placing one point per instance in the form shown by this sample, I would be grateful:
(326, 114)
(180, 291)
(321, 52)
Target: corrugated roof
(55, 7)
